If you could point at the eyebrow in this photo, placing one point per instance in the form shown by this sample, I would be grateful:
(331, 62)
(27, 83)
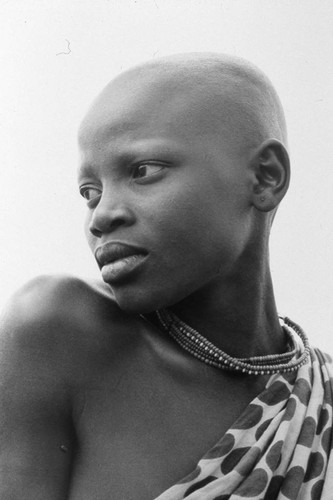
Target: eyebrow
(162, 147)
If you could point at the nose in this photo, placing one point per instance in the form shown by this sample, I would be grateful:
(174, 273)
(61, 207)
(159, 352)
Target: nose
(110, 215)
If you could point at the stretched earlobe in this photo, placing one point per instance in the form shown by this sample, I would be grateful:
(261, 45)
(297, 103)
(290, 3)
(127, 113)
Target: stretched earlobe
(271, 168)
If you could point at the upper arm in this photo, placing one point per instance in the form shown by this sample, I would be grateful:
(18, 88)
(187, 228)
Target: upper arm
(36, 435)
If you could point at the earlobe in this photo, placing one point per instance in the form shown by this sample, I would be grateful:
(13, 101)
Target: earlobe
(271, 170)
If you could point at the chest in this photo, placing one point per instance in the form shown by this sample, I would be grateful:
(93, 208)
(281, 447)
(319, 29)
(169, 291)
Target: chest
(139, 435)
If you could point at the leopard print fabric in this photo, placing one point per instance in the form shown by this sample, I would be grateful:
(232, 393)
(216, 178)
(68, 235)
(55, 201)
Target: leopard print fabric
(279, 448)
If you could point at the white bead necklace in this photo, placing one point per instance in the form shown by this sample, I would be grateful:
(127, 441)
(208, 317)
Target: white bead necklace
(201, 348)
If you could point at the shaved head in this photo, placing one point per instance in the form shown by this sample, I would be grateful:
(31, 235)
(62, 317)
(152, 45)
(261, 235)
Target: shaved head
(221, 95)
(185, 154)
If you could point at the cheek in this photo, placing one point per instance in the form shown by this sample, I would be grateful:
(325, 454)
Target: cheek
(183, 230)
(199, 228)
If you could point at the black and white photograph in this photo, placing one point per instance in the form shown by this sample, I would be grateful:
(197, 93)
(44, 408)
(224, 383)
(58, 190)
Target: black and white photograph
(166, 250)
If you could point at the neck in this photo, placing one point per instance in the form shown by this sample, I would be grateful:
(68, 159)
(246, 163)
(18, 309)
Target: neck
(239, 315)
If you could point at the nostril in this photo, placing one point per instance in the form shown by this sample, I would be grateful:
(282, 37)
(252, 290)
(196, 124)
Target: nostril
(106, 219)
(95, 232)
(103, 225)
(117, 223)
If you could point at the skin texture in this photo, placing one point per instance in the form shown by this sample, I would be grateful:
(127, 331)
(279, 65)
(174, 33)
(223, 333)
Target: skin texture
(186, 158)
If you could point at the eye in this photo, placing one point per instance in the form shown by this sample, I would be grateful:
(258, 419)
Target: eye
(147, 169)
(89, 192)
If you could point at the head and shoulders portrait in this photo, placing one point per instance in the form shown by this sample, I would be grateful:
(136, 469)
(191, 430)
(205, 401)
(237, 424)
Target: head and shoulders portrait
(168, 369)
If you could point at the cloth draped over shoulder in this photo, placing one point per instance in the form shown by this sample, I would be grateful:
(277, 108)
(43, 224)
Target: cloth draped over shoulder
(279, 448)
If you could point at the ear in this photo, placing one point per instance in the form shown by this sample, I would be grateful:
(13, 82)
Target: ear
(271, 169)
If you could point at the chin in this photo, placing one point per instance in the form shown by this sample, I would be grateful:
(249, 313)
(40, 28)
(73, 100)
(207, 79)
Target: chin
(135, 303)
(141, 301)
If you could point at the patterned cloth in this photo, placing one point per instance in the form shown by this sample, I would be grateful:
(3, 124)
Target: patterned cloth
(279, 448)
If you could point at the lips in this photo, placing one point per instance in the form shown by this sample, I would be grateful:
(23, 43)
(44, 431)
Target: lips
(110, 252)
(117, 260)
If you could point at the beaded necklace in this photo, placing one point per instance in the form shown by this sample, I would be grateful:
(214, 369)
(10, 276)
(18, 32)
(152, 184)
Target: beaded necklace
(201, 348)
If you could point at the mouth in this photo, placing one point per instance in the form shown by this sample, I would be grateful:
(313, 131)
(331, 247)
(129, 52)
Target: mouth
(118, 260)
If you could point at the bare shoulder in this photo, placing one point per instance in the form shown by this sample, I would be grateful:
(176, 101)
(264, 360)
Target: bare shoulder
(47, 351)
(56, 335)
(50, 297)
(60, 316)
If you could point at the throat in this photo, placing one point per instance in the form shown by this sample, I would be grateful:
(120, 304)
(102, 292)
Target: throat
(241, 322)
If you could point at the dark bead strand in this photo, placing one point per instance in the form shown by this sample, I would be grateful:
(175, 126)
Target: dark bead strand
(201, 348)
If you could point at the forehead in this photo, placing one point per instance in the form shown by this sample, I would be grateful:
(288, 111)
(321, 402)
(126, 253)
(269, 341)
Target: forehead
(142, 106)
